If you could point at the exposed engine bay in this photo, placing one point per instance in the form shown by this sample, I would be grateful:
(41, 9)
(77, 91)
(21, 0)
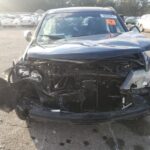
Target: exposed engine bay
(90, 86)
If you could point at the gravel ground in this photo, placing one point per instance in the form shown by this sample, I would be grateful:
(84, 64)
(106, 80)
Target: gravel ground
(19, 135)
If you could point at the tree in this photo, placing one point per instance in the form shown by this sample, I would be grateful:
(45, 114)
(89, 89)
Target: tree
(105, 3)
(144, 6)
(133, 7)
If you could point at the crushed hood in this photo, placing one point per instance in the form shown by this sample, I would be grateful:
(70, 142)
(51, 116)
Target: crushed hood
(91, 47)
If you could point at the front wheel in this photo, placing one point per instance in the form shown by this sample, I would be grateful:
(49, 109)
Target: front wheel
(21, 113)
(22, 109)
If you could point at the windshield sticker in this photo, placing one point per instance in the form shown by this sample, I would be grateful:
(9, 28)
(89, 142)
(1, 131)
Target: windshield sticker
(111, 22)
(108, 16)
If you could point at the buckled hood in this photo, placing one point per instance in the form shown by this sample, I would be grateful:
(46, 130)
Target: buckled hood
(91, 47)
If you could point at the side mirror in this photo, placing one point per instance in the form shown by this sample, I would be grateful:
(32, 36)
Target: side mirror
(28, 35)
(134, 29)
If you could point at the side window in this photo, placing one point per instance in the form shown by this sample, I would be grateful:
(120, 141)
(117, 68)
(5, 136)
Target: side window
(49, 27)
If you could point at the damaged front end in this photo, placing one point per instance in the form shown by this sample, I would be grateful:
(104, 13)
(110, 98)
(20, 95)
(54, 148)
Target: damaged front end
(89, 91)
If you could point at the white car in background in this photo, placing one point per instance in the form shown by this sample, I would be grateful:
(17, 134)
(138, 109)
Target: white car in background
(40, 18)
(7, 22)
(144, 22)
(35, 19)
(27, 21)
(17, 22)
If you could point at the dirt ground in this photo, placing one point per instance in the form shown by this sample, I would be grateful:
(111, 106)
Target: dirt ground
(19, 135)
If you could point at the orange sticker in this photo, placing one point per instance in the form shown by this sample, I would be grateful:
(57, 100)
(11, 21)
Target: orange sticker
(111, 22)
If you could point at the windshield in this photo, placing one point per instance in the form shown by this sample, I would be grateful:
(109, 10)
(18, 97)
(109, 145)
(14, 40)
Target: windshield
(67, 25)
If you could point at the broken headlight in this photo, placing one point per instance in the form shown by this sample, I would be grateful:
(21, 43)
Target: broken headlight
(24, 72)
(36, 75)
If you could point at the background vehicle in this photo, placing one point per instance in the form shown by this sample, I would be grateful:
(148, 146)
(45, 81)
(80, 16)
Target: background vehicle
(27, 21)
(17, 22)
(131, 21)
(7, 21)
(144, 22)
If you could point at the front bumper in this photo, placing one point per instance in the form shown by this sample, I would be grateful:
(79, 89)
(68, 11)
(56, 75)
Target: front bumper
(39, 113)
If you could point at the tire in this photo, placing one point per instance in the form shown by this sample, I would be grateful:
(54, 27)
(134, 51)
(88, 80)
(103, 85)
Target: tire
(23, 107)
(21, 113)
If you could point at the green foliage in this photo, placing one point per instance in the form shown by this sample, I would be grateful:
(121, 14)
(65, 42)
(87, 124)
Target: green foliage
(133, 7)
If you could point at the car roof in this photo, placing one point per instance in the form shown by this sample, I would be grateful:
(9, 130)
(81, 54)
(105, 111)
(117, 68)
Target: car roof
(81, 9)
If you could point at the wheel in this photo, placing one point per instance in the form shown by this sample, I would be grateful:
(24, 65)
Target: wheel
(22, 109)
(21, 113)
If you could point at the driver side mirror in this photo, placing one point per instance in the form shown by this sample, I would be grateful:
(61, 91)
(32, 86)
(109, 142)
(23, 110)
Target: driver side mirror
(134, 29)
(28, 35)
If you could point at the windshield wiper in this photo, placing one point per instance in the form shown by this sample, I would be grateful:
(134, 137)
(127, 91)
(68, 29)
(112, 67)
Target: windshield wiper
(54, 36)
